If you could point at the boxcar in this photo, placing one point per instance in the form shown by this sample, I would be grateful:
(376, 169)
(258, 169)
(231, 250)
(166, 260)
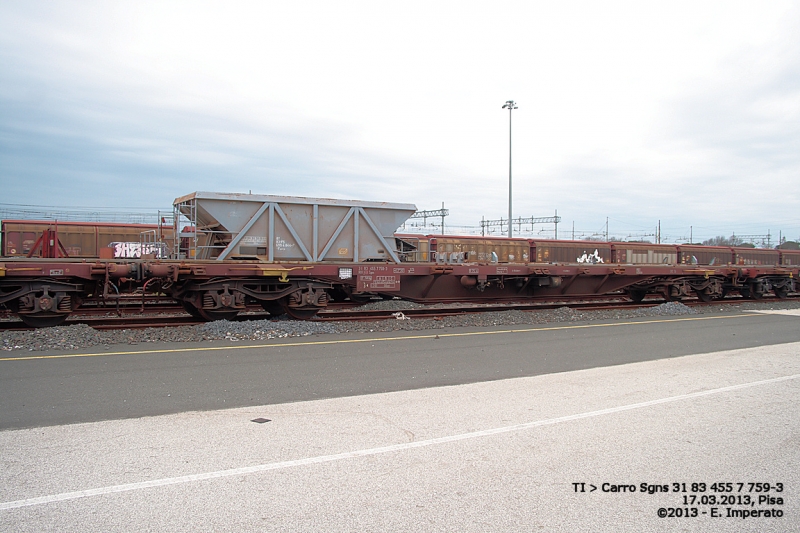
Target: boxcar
(480, 249)
(790, 257)
(644, 253)
(80, 239)
(413, 248)
(691, 254)
(756, 256)
(572, 251)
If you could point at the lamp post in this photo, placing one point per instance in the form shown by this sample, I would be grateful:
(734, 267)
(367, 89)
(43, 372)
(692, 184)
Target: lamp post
(510, 104)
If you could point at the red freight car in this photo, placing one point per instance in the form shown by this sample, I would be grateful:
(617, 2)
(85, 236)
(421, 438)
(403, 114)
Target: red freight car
(790, 257)
(756, 256)
(633, 253)
(571, 251)
(691, 254)
(78, 239)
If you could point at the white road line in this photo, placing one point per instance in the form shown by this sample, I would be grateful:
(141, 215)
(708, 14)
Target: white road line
(373, 451)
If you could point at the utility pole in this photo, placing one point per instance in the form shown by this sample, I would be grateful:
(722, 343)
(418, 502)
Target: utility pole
(556, 224)
(424, 215)
(510, 104)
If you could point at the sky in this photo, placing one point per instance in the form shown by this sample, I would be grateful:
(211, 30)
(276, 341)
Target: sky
(629, 113)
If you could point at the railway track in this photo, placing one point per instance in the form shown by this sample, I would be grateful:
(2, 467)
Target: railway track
(173, 316)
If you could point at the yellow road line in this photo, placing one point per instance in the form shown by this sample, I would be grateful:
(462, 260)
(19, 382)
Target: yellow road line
(377, 339)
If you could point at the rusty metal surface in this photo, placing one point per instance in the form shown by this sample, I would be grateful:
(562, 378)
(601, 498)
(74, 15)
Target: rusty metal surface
(45, 289)
(790, 257)
(705, 255)
(644, 253)
(756, 256)
(80, 239)
(572, 252)
(480, 250)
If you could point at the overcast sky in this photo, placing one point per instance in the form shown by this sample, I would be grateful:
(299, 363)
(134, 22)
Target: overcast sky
(683, 112)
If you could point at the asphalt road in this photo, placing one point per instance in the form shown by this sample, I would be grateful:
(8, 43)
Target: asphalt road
(681, 425)
(55, 388)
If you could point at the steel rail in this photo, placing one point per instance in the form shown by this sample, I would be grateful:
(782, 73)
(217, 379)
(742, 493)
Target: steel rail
(179, 318)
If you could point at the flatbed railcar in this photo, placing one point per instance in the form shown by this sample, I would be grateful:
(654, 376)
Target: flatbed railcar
(295, 255)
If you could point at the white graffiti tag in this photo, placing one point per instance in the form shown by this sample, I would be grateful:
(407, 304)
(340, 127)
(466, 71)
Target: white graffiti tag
(590, 258)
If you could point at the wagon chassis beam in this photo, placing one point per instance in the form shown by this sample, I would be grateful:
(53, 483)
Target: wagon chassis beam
(240, 285)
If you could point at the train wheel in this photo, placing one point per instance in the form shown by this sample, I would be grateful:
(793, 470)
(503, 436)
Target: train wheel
(781, 293)
(637, 296)
(703, 296)
(43, 320)
(745, 292)
(669, 297)
(273, 307)
(192, 310)
(215, 314)
(302, 313)
(755, 291)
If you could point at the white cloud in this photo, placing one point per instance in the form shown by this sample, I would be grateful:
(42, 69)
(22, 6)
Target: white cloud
(682, 112)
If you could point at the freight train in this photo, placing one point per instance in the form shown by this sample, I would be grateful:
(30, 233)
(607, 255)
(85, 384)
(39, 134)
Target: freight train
(295, 255)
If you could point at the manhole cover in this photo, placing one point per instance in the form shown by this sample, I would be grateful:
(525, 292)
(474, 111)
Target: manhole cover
(260, 420)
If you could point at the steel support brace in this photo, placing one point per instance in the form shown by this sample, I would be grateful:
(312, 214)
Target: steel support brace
(602, 282)
(294, 234)
(356, 216)
(271, 231)
(336, 234)
(238, 238)
(315, 235)
(377, 233)
(569, 283)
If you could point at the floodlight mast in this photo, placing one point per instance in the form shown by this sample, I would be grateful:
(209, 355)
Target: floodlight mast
(510, 104)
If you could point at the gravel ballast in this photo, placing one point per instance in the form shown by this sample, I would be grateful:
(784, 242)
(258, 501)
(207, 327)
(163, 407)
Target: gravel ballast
(82, 336)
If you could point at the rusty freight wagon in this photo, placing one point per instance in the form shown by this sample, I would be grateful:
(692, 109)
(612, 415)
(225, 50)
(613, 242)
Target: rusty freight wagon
(572, 252)
(454, 249)
(692, 254)
(77, 239)
(790, 257)
(462, 249)
(756, 256)
(644, 253)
